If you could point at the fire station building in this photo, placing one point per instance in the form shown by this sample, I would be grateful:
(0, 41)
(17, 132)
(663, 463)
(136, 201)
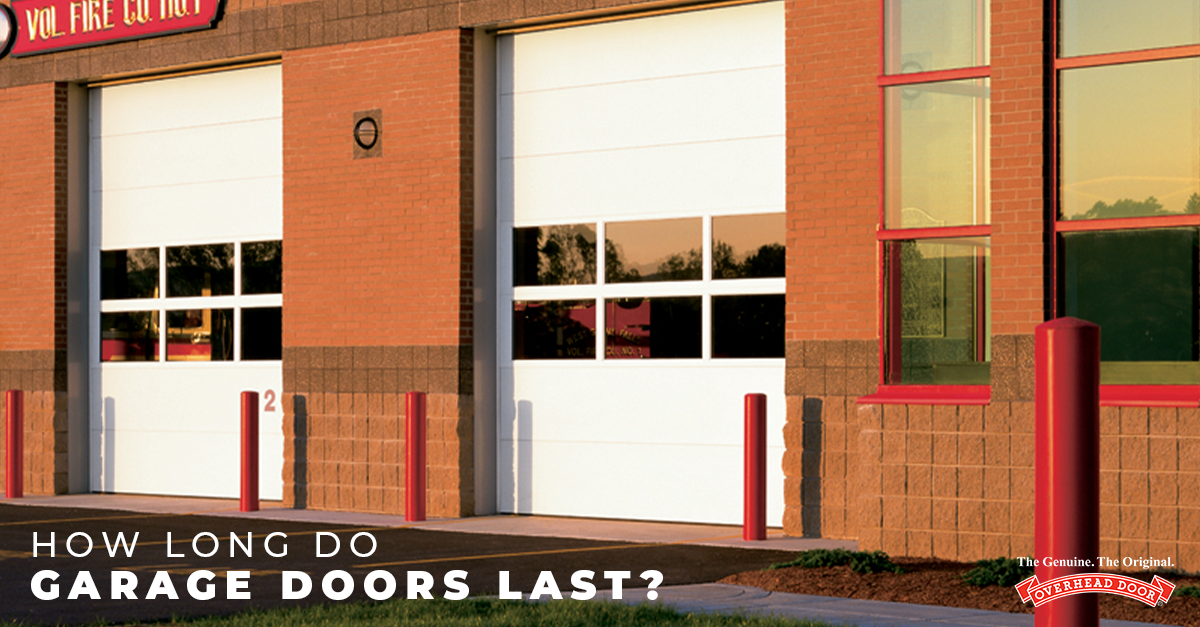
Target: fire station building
(586, 229)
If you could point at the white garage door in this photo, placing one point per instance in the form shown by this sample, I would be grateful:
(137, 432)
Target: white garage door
(641, 236)
(186, 231)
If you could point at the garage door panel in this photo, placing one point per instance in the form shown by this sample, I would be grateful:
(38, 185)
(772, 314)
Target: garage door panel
(635, 481)
(696, 405)
(685, 109)
(199, 101)
(173, 462)
(176, 429)
(176, 162)
(191, 155)
(678, 116)
(681, 180)
(686, 43)
(132, 218)
(144, 397)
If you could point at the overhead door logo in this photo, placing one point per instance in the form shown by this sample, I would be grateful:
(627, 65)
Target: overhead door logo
(1154, 593)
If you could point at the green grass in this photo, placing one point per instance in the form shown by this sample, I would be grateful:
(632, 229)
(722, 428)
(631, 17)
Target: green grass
(859, 561)
(486, 613)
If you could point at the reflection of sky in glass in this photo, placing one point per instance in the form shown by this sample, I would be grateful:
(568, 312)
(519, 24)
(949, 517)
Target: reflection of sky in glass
(938, 154)
(937, 35)
(645, 244)
(1100, 26)
(1130, 132)
(746, 234)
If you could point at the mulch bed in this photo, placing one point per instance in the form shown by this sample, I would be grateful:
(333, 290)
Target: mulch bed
(936, 582)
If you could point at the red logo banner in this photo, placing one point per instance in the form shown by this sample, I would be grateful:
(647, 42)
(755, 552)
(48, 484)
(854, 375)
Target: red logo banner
(1157, 592)
(53, 25)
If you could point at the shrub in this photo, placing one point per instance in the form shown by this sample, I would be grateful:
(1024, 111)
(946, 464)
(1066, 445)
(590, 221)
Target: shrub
(860, 561)
(1002, 571)
(1188, 591)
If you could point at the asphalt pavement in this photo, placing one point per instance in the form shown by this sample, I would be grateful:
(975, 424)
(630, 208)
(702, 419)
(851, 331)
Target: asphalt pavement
(103, 557)
(203, 557)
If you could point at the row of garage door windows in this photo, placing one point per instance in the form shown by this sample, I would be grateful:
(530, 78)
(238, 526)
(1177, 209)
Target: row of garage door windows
(650, 324)
(192, 333)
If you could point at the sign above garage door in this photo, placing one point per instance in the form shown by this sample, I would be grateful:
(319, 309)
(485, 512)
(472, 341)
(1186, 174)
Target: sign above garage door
(52, 25)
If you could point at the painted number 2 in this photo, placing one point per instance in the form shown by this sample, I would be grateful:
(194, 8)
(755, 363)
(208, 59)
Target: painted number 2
(269, 400)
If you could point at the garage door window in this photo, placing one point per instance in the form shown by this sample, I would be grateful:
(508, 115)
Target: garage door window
(683, 288)
(221, 302)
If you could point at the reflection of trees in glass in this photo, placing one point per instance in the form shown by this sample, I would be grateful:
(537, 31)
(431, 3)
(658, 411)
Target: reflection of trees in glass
(1140, 286)
(766, 262)
(939, 313)
(554, 255)
(193, 269)
(687, 266)
(614, 266)
(129, 273)
(922, 303)
(683, 266)
(1193, 204)
(567, 255)
(262, 267)
(1128, 208)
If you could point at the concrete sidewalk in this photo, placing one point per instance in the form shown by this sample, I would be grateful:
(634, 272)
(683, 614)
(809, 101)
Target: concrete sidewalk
(692, 598)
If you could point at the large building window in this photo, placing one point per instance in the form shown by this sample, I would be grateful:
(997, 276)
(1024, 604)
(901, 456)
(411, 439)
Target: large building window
(935, 219)
(1128, 194)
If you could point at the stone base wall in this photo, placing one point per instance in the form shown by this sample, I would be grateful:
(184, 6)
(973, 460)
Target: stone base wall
(38, 374)
(821, 435)
(345, 428)
(957, 481)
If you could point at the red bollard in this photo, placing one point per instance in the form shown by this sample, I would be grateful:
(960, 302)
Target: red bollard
(754, 516)
(1067, 463)
(249, 501)
(414, 457)
(14, 414)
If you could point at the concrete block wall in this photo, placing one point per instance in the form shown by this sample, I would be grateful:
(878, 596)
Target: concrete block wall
(345, 426)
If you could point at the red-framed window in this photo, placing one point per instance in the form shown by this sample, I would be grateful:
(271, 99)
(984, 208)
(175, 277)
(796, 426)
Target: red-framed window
(1127, 190)
(935, 219)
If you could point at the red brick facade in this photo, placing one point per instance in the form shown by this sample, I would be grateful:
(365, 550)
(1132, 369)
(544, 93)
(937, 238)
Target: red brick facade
(33, 332)
(379, 276)
(378, 270)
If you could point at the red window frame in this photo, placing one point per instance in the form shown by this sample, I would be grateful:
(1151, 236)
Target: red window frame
(889, 310)
(1142, 395)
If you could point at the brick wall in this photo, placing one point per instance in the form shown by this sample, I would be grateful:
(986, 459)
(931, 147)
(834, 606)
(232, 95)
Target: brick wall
(377, 271)
(832, 212)
(254, 28)
(832, 168)
(33, 253)
(1018, 166)
(953, 482)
